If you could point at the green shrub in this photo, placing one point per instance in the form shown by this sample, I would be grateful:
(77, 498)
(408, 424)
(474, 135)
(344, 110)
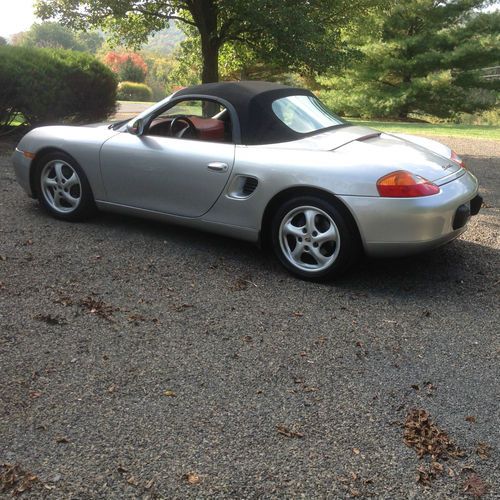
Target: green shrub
(49, 86)
(131, 91)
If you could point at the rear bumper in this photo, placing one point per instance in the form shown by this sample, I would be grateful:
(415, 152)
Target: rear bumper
(402, 226)
(22, 169)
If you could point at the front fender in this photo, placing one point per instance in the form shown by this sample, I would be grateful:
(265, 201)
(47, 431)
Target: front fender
(82, 143)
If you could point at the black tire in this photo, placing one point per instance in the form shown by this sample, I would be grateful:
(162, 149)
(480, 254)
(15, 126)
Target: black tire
(318, 258)
(81, 190)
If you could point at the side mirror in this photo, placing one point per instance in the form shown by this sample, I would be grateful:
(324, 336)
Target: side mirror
(135, 128)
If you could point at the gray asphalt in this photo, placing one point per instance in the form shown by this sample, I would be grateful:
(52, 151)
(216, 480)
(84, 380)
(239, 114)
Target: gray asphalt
(140, 360)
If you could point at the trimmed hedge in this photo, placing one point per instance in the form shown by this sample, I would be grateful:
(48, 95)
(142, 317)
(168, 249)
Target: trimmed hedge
(131, 91)
(47, 86)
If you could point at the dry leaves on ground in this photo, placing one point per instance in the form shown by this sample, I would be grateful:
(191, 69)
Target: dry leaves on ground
(98, 307)
(192, 478)
(288, 432)
(183, 307)
(475, 486)
(427, 439)
(15, 480)
(483, 450)
(242, 283)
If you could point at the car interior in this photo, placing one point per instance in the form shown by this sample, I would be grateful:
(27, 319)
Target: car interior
(193, 119)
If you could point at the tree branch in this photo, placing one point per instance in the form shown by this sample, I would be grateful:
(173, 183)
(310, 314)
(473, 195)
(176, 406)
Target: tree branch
(164, 16)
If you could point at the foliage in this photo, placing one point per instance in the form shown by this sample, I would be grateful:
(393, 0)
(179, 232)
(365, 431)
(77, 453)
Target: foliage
(51, 86)
(3, 41)
(424, 57)
(132, 91)
(130, 72)
(162, 74)
(129, 66)
(290, 34)
(56, 36)
(164, 42)
(489, 117)
(434, 129)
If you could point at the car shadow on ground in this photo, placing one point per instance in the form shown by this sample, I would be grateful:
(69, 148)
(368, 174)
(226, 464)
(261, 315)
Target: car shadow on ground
(461, 263)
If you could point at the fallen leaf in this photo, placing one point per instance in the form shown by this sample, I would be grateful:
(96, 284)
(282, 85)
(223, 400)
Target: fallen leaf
(183, 307)
(133, 481)
(149, 484)
(425, 475)
(98, 307)
(356, 451)
(192, 478)
(475, 486)
(62, 439)
(291, 433)
(483, 450)
(169, 394)
(471, 419)
(298, 314)
(15, 480)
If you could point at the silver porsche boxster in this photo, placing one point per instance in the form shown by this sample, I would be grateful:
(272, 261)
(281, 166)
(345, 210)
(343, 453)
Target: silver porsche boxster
(262, 162)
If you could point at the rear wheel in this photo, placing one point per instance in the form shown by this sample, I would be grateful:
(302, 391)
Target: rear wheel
(63, 189)
(313, 238)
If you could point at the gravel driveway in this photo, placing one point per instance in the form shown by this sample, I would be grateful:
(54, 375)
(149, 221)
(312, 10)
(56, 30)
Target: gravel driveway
(140, 360)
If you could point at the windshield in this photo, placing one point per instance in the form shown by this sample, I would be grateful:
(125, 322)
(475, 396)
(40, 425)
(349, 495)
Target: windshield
(304, 114)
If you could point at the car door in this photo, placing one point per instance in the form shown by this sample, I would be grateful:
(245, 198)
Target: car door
(169, 175)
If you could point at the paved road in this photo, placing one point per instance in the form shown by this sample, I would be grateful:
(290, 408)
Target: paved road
(146, 360)
(130, 109)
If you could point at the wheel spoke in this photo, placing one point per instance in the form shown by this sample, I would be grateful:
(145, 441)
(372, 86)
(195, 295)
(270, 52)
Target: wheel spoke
(292, 230)
(73, 179)
(329, 235)
(59, 173)
(318, 256)
(50, 182)
(310, 215)
(298, 251)
(70, 199)
(57, 199)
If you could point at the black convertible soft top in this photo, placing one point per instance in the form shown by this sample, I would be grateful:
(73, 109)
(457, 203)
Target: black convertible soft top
(252, 102)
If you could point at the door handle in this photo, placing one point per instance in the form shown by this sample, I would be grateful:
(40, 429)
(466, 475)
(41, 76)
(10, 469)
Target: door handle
(217, 166)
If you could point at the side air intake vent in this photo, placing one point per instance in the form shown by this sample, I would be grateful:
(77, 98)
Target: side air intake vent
(249, 186)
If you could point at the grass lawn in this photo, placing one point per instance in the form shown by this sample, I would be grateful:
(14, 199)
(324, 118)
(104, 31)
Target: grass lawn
(445, 129)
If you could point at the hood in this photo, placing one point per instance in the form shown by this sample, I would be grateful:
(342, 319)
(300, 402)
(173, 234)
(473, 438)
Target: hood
(383, 151)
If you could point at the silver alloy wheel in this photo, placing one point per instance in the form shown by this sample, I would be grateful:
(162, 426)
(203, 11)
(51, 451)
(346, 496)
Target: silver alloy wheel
(309, 238)
(61, 186)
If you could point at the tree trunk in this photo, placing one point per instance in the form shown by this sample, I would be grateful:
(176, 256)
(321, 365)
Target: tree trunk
(205, 14)
(210, 54)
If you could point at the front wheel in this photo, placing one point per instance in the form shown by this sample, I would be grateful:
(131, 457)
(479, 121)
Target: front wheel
(63, 189)
(313, 238)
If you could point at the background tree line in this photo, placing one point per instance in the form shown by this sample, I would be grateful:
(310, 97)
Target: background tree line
(403, 59)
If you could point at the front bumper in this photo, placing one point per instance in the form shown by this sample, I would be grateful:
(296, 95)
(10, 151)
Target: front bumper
(22, 169)
(401, 226)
